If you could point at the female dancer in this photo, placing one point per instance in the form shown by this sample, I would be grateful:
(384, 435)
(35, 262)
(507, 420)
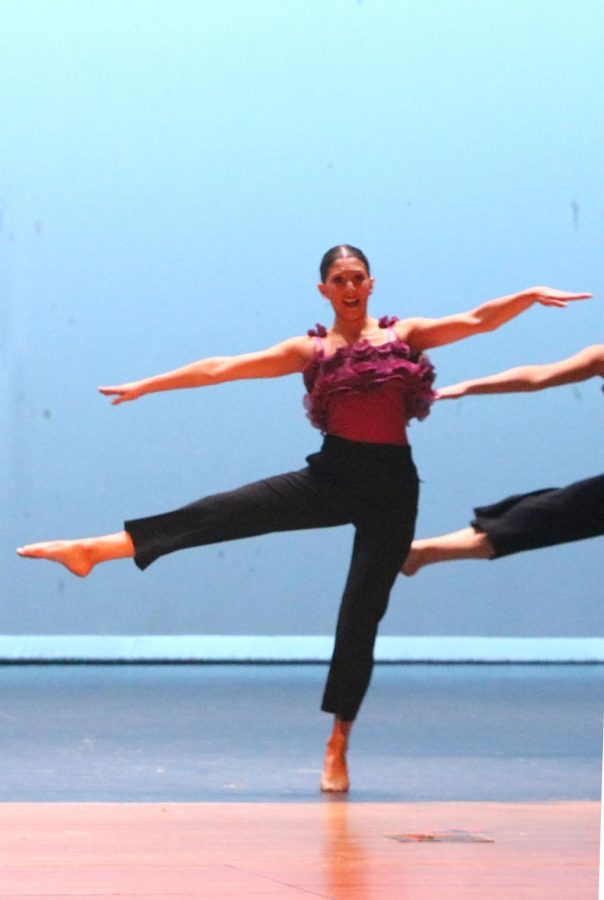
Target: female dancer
(525, 521)
(365, 379)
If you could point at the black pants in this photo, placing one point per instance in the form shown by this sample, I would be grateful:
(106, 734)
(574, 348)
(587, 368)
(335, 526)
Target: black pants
(373, 486)
(544, 518)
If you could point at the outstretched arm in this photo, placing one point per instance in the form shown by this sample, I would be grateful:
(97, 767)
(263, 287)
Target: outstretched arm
(422, 333)
(282, 359)
(583, 365)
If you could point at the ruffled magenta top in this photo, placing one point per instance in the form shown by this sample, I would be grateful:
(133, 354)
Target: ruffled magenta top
(367, 392)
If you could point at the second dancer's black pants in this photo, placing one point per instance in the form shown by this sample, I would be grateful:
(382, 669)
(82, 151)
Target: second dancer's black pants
(372, 486)
(544, 518)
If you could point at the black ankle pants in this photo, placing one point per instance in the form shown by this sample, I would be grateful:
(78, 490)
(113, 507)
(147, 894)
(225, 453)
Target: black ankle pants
(372, 486)
(544, 518)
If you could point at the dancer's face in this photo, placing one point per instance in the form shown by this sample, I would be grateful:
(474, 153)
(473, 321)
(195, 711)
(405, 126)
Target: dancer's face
(348, 287)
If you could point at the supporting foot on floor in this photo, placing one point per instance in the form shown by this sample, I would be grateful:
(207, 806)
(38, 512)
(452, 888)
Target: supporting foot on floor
(334, 778)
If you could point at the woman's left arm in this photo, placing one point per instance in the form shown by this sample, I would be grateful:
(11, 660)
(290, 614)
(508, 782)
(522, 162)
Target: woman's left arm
(423, 333)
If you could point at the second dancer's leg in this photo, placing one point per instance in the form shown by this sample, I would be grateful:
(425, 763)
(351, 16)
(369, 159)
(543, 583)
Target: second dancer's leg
(530, 521)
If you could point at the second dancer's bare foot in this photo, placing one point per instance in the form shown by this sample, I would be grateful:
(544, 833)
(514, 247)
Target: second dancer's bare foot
(420, 554)
(467, 543)
(77, 556)
(334, 777)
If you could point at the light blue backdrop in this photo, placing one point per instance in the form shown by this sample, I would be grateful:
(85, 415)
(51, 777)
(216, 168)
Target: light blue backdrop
(171, 173)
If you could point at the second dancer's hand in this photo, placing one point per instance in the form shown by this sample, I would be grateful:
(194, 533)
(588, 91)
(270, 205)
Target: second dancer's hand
(121, 393)
(451, 391)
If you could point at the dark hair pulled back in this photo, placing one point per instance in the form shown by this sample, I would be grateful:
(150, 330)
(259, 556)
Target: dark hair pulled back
(342, 251)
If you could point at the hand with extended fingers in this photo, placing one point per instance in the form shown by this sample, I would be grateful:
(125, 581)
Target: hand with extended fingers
(121, 393)
(551, 297)
(451, 391)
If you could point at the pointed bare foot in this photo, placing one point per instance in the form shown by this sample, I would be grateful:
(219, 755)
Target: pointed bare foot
(467, 543)
(418, 556)
(334, 777)
(77, 556)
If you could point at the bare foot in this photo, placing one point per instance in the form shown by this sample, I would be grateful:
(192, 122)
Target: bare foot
(82, 555)
(467, 543)
(334, 777)
(77, 556)
(418, 556)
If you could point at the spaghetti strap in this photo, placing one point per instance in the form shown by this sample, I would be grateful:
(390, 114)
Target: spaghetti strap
(318, 333)
(388, 322)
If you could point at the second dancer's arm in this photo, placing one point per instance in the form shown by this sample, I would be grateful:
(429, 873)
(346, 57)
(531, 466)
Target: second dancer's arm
(587, 363)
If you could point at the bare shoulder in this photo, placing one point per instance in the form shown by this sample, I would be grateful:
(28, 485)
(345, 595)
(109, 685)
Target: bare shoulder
(414, 331)
(293, 353)
(303, 346)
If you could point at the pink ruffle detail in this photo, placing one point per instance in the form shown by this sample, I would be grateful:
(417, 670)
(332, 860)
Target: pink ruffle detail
(318, 331)
(362, 367)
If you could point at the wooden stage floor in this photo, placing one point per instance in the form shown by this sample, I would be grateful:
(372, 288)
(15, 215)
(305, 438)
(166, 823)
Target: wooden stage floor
(334, 849)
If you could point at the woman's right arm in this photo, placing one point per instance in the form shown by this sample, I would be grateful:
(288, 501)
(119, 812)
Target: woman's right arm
(282, 359)
(583, 365)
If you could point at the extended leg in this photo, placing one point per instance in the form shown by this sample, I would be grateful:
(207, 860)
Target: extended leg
(290, 502)
(530, 521)
(544, 518)
(286, 502)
